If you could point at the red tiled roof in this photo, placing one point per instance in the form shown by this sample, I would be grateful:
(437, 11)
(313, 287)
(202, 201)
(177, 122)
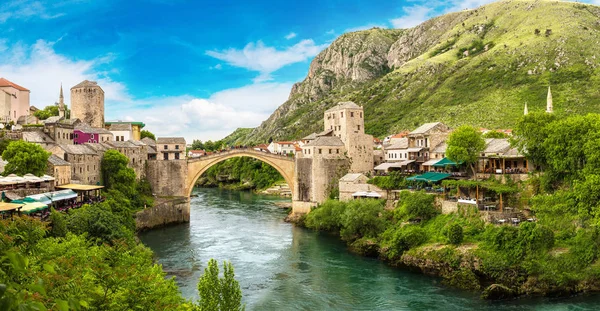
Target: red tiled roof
(285, 142)
(198, 151)
(4, 82)
(400, 135)
(377, 140)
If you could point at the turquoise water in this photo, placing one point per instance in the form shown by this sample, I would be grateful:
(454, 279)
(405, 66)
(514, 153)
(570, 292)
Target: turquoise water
(282, 267)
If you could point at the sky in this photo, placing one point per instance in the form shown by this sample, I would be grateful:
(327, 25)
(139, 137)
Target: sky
(197, 69)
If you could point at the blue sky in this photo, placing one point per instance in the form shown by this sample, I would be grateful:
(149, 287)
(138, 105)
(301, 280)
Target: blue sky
(197, 69)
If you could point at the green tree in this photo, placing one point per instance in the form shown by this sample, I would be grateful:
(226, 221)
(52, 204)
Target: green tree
(464, 146)
(50, 111)
(24, 158)
(415, 205)
(363, 218)
(219, 294)
(455, 234)
(148, 134)
(494, 134)
(529, 135)
(115, 172)
(197, 145)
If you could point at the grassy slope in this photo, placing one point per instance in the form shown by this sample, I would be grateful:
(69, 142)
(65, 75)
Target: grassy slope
(488, 89)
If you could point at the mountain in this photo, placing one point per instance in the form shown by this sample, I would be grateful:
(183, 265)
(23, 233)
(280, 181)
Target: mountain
(476, 67)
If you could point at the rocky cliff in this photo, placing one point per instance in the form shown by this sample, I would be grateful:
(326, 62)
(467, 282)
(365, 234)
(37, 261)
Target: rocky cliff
(475, 67)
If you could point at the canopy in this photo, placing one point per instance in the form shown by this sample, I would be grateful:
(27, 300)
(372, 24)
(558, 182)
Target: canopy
(429, 177)
(431, 162)
(41, 198)
(78, 187)
(405, 163)
(383, 166)
(445, 162)
(33, 207)
(62, 195)
(367, 194)
(5, 207)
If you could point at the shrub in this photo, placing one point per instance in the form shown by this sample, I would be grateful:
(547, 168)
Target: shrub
(415, 205)
(401, 239)
(363, 218)
(326, 217)
(455, 234)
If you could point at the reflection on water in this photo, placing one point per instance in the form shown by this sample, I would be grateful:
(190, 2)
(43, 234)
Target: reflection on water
(282, 267)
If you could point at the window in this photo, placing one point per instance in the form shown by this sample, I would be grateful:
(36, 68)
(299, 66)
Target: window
(176, 147)
(166, 156)
(320, 151)
(361, 114)
(337, 150)
(88, 168)
(329, 151)
(166, 147)
(80, 170)
(358, 127)
(177, 156)
(71, 136)
(342, 113)
(351, 114)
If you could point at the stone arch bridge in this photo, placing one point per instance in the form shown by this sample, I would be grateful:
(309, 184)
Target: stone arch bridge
(285, 165)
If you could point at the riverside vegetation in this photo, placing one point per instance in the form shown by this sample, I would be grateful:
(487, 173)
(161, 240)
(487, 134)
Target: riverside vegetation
(90, 259)
(556, 255)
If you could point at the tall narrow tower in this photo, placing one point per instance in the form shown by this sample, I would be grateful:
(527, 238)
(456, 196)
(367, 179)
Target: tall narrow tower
(87, 103)
(549, 107)
(61, 104)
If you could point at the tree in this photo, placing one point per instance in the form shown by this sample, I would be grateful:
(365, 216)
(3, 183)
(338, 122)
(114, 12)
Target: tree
(464, 145)
(148, 134)
(50, 111)
(530, 134)
(24, 158)
(219, 294)
(495, 134)
(115, 172)
(197, 145)
(455, 234)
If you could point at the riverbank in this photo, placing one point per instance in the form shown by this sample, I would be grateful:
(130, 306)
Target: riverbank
(497, 262)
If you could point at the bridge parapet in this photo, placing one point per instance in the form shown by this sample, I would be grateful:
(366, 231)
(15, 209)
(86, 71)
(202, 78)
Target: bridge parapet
(241, 151)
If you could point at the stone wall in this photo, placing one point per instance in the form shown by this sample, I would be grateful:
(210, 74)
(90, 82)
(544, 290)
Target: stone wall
(302, 184)
(168, 178)
(173, 211)
(325, 177)
(348, 188)
(87, 105)
(447, 206)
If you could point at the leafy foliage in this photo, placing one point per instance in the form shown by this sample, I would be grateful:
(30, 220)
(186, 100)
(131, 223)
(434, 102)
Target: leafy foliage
(465, 145)
(415, 205)
(146, 133)
(455, 234)
(219, 294)
(24, 158)
(242, 173)
(50, 111)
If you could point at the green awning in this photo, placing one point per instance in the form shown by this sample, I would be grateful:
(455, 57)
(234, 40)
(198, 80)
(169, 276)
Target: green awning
(445, 162)
(33, 207)
(429, 177)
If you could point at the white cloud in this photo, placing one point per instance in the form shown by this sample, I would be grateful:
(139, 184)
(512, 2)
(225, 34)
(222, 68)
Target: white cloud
(26, 10)
(216, 67)
(291, 35)
(414, 15)
(39, 68)
(364, 27)
(208, 118)
(265, 59)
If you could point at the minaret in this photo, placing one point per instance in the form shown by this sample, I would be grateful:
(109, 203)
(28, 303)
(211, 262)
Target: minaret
(61, 104)
(525, 111)
(549, 101)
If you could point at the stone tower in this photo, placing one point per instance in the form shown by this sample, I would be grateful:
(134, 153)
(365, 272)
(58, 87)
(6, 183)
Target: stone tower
(549, 107)
(61, 104)
(87, 103)
(347, 122)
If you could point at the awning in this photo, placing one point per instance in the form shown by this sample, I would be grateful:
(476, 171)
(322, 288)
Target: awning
(373, 195)
(405, 163)
(7, 207)
(33, 207)
(360, 194)
(80, 187)
(366, 194)
(445, 162)
(30, 178)
(431, 162)
(41, 198)
(384, 166)
(417, 149)
(429, 177)
(62, 195)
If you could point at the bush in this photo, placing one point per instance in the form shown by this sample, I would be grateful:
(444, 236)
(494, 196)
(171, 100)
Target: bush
(415, 205)
(58, 224)
(326, 217)
(455, 234)
(100, 224)
(363, 218)
(401, 239)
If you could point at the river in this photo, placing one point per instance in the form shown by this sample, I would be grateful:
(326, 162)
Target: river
(283, 267)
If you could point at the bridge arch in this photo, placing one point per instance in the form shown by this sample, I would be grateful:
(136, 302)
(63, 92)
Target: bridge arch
(197, 166)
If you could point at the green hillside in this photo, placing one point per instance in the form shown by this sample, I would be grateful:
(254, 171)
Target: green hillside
(406, 77)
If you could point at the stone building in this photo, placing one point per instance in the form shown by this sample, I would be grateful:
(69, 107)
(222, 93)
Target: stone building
(14, 101)
(353, 183)
(85, 162)
(124, 131)
(87, 134)
(170, 148)
(136, 153)
(60, 170)
(151, 147)
(346, 120)
(37, 136)
(87, 103)
(60, 130)
(424, 139)
(397, 151)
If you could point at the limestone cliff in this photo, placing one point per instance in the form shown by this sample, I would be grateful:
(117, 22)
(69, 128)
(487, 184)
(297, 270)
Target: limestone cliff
(475, 67)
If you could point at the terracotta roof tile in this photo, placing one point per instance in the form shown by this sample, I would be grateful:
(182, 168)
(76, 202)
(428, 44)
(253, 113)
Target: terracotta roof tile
(4, 82)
